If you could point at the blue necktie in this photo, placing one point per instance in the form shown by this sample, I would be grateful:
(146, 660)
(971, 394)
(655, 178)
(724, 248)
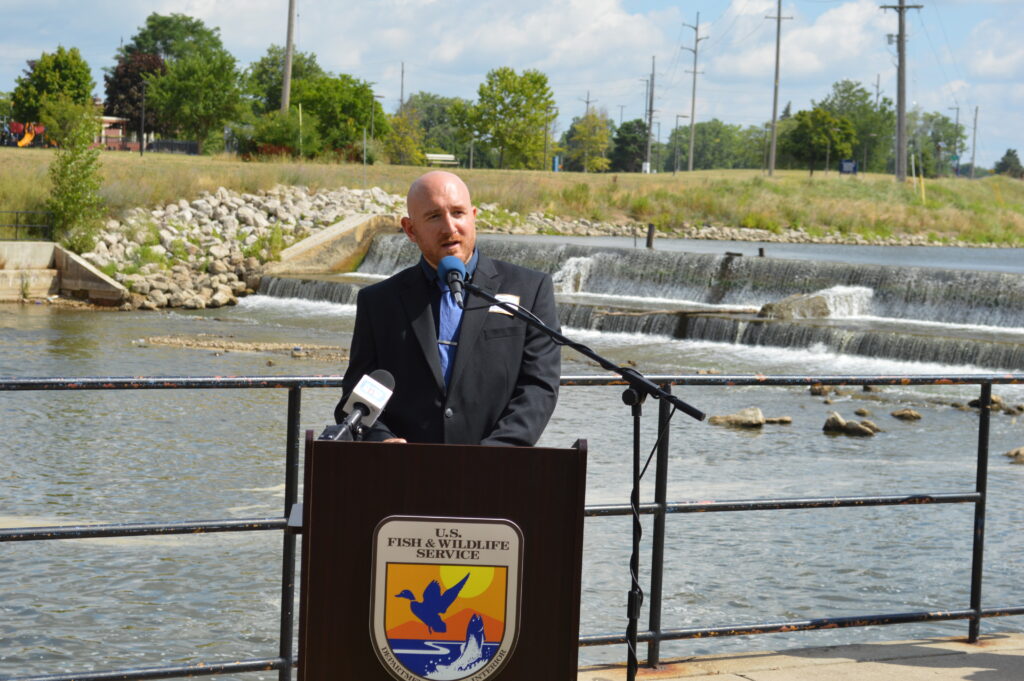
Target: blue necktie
(448, 334)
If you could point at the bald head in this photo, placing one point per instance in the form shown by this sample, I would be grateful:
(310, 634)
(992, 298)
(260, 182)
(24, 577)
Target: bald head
(432, 181)
(442, 218)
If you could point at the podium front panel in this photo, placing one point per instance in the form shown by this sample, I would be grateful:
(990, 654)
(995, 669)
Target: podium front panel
(420, 497)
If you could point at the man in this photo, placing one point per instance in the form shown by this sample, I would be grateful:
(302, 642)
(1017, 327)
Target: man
(479, 376)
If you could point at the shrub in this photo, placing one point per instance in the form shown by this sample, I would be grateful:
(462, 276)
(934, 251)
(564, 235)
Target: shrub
(75, 199)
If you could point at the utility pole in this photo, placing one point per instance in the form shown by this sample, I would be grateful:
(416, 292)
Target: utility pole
(675, 167)
(586, 149)
(286, 86)
(878, 88)
(547, 133)
(693, 96)
(657, 157)
(141, 123)
(775, 96)
(956, 141)
(373, 110)
(974, 141)
(621, 108)
(901, 89)
(401, 90)
(650, 116)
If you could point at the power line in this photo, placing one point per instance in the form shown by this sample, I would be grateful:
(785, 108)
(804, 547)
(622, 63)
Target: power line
(938, 58)
(693, 96)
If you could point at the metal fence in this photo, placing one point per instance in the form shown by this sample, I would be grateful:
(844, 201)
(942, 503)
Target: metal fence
(26, 227)
(660, 508)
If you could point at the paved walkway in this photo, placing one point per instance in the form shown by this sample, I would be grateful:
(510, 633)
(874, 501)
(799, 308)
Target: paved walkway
(997, 657)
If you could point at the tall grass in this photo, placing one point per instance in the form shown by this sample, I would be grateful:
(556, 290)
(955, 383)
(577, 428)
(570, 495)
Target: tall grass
(990, 210)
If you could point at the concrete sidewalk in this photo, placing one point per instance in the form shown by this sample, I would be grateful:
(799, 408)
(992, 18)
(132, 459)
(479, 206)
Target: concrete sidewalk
(997, 657)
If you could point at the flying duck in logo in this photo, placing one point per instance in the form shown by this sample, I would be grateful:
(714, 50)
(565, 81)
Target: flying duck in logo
(434, 603)
(464, 623)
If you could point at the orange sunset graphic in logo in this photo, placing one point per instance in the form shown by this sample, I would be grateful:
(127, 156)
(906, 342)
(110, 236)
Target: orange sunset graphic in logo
(417, 609)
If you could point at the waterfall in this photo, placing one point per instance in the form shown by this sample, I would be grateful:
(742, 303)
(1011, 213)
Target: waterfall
(906, 313)
(310, 289)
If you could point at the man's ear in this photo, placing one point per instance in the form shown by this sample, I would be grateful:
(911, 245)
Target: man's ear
(407, 227)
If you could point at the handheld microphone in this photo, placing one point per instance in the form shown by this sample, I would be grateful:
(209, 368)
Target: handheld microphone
(364, 405)
(452, 271)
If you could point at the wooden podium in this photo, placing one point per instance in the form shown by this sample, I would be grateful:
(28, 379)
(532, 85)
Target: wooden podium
(465, 559)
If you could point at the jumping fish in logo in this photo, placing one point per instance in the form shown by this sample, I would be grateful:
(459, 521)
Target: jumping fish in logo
(471, 655)
(434, 603)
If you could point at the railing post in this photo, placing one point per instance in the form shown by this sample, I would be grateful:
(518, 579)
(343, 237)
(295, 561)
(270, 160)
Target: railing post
(291, 495)
(658, 536)
(981, 486)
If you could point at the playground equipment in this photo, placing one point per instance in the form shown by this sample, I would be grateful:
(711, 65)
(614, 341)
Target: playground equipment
(28, 132)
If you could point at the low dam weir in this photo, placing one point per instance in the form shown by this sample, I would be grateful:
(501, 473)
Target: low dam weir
(950, 317)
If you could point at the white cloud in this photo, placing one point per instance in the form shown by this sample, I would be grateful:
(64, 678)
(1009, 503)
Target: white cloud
(852, 34)
(995, 50)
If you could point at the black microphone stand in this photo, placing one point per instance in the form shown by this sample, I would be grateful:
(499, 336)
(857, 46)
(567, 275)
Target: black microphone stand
(639, 388)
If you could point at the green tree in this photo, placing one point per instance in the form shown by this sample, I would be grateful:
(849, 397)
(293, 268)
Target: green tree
(6, 105)
(264, 78)
(197, 94)
(936, 139)
(874, 123)
(444, 121)
(514, 113)
(63, 72)
(1010, 165)
(173, 36)
(819, 136)
(404, 142)
(752, 144)
(124, 87)
(587, 142)
(715, 145)
(345, 106)
(629, 147)
(62, 117)
(286, 133)
(74, 173)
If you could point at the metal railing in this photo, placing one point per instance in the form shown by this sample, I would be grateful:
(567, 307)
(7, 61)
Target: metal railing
(35, 231)
(660, 508)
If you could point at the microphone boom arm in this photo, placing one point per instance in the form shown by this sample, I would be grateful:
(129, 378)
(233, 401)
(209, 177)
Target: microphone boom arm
(636, 380)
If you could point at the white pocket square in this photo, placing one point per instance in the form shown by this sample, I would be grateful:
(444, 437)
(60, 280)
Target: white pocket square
(505, 298)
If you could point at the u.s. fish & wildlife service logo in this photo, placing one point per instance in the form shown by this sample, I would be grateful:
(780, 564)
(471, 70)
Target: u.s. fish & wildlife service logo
(445, 601)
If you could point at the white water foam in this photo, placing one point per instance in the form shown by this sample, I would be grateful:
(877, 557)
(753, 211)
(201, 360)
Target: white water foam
(572, 276)
(648, 301)
(854, 302)
(847, 301)
(299, 307)
(816, 359)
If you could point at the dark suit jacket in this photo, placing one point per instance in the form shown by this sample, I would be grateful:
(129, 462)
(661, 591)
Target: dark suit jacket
(504, 381)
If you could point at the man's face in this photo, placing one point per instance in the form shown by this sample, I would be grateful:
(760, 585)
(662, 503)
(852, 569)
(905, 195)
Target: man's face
(442, 218)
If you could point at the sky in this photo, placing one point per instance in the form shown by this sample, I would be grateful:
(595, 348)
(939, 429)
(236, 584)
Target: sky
(961, 53)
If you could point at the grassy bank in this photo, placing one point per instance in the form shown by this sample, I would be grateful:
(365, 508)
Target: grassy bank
(980, 211)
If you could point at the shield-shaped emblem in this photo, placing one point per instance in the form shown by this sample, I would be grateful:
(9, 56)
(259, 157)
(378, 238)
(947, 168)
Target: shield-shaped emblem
(445, 601)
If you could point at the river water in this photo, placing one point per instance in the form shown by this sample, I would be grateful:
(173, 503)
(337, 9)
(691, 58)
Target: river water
(88, 457)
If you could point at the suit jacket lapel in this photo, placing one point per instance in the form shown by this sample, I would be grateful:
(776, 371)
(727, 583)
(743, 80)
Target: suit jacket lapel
(421, 319)
(486, 277)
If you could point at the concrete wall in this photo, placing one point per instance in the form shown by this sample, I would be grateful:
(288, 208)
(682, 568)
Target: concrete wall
(18, 284)
(338, 248)
(26, 255)
(79, 279)
(36, 269)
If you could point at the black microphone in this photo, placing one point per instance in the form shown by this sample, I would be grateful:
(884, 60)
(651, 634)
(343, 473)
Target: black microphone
(364, 405)
(452, 271)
